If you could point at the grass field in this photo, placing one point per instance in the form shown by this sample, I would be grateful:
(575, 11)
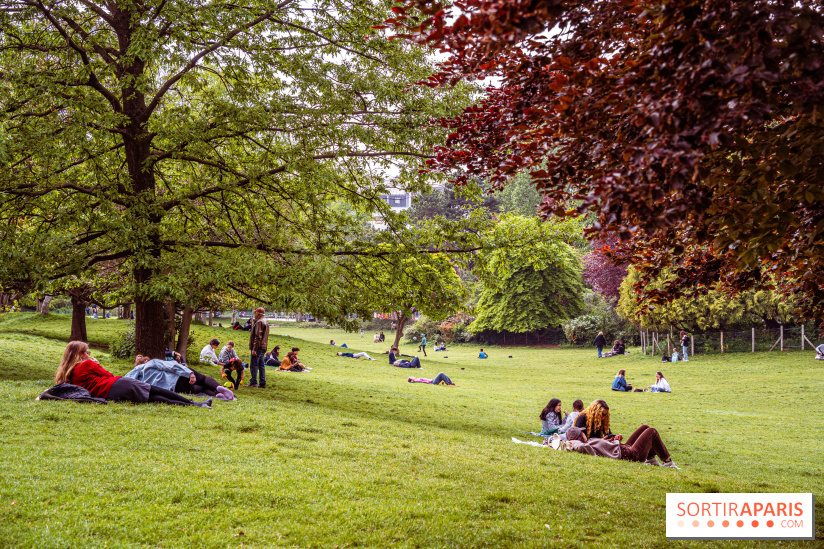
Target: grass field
(351, 454)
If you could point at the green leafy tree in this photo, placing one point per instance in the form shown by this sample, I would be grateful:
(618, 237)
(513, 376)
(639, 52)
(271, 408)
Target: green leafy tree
(528, 287)
(599, 316)
(712, 310)
(162, 133)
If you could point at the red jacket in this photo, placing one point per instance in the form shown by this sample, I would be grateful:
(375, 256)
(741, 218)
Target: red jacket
(90, 375)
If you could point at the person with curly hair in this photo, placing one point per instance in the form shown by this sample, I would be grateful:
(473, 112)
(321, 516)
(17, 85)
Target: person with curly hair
(642, 446)
(594, 421)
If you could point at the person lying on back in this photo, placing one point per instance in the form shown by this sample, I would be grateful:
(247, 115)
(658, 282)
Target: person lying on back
(394, 361)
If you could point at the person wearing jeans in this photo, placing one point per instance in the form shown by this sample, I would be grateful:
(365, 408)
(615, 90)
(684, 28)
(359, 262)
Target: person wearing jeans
(685, 341)
(600, 342)
(258, 341)
(440, 378)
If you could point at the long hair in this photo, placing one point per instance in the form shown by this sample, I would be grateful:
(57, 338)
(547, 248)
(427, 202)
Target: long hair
(71, 358)
(597, 415)
(660, 374)
(550, 409)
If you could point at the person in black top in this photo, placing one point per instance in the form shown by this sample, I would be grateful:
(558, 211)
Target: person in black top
(685, 342)
(594, 421)
(394, 361)
(600, 342)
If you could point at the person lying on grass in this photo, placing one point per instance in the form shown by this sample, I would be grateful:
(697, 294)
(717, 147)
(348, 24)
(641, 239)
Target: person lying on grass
(394, 361)
(440, 379)
(173, 376)
(290, 362)
(78, 368)
(594, 421)
(620, 382)
(641, 446)
(356, 355)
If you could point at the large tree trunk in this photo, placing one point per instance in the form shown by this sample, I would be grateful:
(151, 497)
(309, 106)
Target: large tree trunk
(44, 306)
(210, 317)
(78, 319)
(126, 312)
(170, 310)
(183, 334)
(234, 316)
(399, 331)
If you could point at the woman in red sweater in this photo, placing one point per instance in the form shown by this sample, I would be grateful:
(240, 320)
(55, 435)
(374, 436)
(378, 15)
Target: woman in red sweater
(78, 368)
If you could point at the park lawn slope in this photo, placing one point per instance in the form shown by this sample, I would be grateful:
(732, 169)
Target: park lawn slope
(352, 454)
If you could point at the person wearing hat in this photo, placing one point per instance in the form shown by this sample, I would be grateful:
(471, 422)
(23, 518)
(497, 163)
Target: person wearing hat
(641, 446)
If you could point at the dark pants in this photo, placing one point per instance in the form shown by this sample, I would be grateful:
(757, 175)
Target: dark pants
(126, 389)
(258, 367)
(203, 384)
(441, 377)
(422, 348)
(416, 363)
(643, 444)
(236, 366)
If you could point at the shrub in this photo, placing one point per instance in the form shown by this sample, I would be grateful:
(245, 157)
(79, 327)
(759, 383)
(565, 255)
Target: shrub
(122, 346)
(424, 325)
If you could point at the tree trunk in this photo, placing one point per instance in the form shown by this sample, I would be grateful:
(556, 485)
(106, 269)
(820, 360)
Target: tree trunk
(210, 317)
(149, 328)
(126, 312)
(170, 332)
(78, 319)
(183, 334)
(234, 316)
(399, 331)
(44, 306)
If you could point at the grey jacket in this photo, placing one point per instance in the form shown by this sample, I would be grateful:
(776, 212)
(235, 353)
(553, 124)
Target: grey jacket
(226, 355)
(160, 373)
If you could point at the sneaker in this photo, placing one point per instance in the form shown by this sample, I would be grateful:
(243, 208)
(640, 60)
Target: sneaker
(261, 386)
(251, 385)
(670, 464)
(652, 461)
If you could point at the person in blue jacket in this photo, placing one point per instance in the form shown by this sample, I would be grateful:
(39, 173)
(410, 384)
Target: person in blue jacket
(176, 377)
(620, 382)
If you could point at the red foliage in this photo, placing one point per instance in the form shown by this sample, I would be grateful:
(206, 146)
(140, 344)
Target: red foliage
(690, 128)
(601, 272)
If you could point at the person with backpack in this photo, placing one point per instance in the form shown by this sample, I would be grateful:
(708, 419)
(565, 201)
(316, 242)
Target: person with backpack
(600, 342)
(685, 341)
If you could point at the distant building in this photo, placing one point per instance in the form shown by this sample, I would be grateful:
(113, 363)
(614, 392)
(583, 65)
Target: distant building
(399, 200)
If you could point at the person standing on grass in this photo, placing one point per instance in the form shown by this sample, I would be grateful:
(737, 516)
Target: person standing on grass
(79, 368)
(422, 346)
(600, 342)
(641, 446)
(685, 341)
(361, 333)
(258, 341)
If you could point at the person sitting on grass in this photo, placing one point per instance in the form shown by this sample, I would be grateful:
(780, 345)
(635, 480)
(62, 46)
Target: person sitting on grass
(641, 446)
(595, 421)
(440, 379)
(617, 349)
(675, 356)
(381, 337)
(661, 384)
(440, 346)
(356, 355)
(482, 354)
(394, 361)
(176, 377)
(78, 368)
(290, 362)
(819, 352)
(207, 354)
(551, 419)
(247, 327)
(569, 421)
(377, 338)
(620, 382)
(273, 358)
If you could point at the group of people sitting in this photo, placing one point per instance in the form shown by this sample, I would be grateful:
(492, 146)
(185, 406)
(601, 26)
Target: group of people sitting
(588, 431)
(379, 338)
(661, 384)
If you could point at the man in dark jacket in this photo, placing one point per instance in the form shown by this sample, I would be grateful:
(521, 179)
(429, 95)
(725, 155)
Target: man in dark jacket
(600, 342)
(258, 341)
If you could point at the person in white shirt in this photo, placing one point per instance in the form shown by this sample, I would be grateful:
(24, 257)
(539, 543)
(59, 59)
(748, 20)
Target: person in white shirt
(661, 384)
(208, 356)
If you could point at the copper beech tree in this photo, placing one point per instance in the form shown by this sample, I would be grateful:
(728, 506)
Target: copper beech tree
(692, 129)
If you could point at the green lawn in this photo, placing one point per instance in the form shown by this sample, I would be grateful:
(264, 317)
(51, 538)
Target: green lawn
(350, 454)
